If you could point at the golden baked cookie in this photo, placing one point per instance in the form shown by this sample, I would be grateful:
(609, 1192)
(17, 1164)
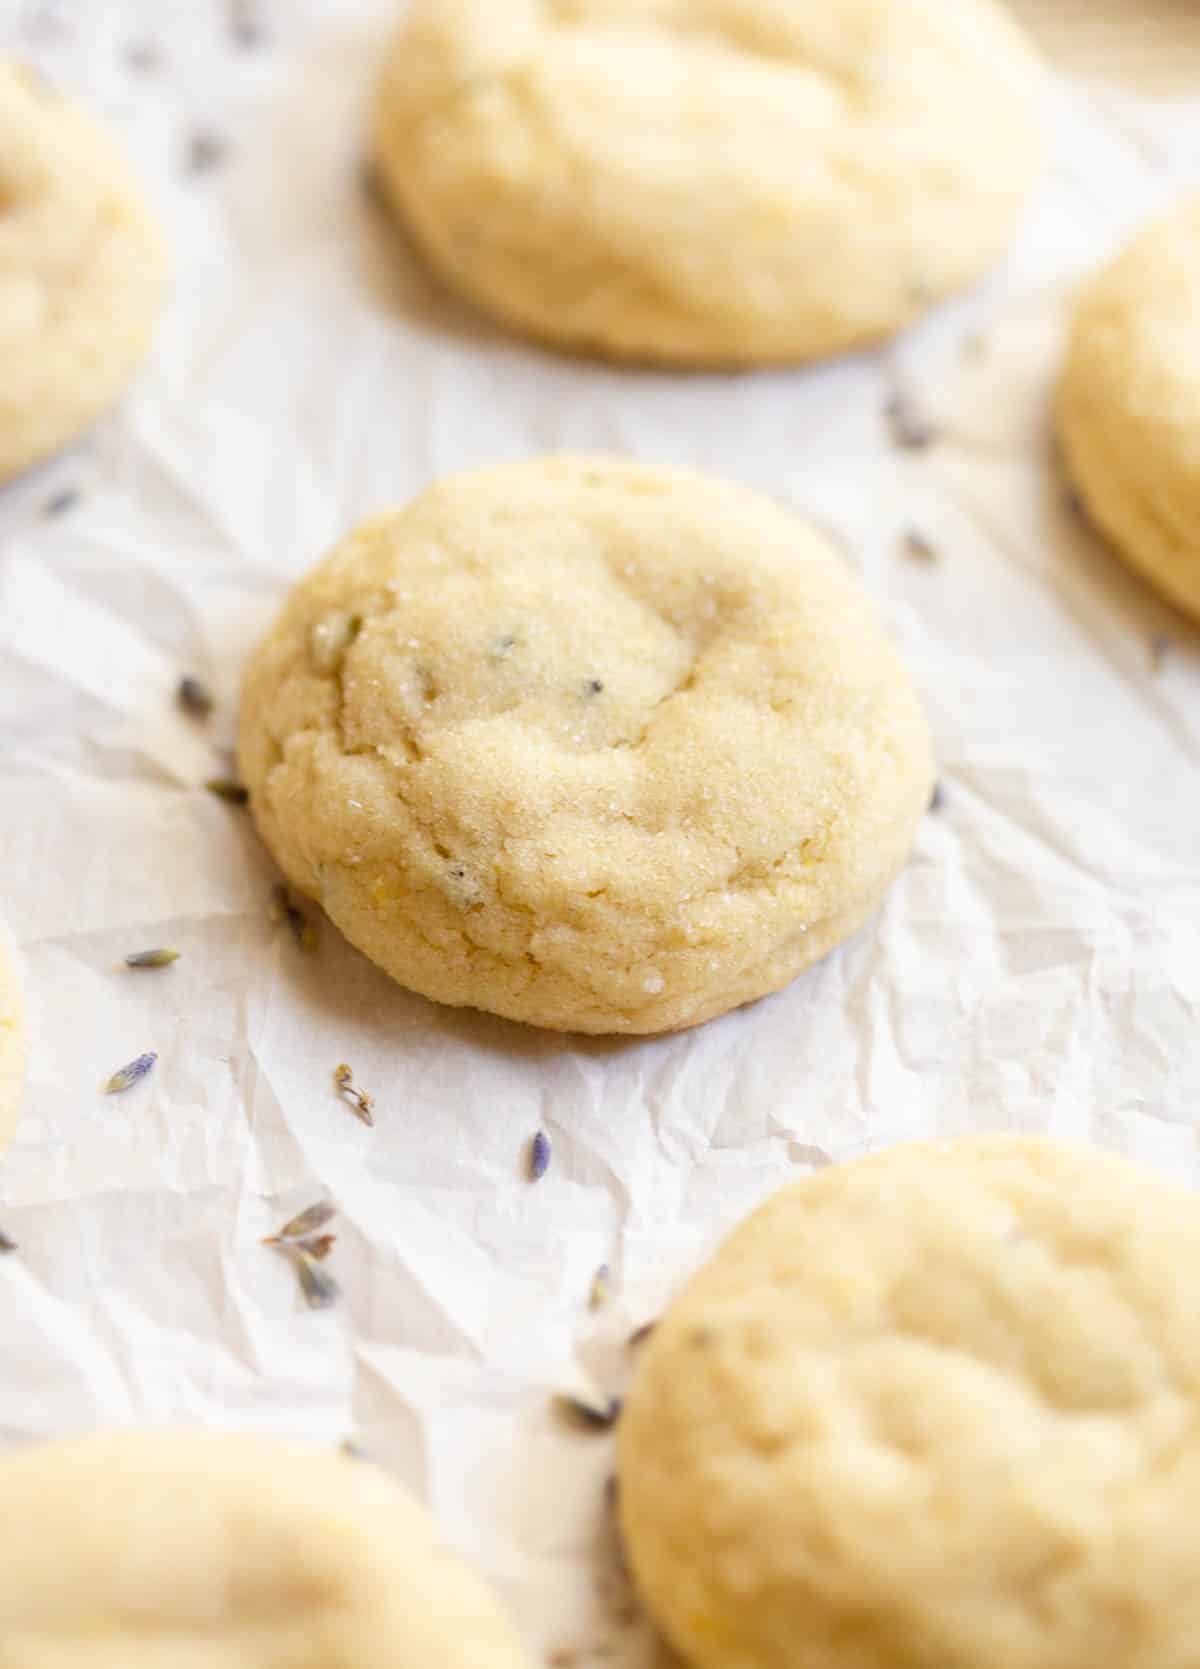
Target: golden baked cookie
(598, 746)
(939, 1406)
(709, 182)
(1129, 403)
(82, 271)
(170, 1548)
(12, 1044)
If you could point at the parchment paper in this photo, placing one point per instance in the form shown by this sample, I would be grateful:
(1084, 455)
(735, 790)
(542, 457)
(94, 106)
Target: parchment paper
(1036, 967)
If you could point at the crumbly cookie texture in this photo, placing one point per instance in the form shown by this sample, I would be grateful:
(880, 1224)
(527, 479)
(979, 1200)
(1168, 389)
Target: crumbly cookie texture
(939, 1406)
(1129, 403)
(12, 1044)
(82, 271)
(597, 746)
(709, 182)
(164, 1548)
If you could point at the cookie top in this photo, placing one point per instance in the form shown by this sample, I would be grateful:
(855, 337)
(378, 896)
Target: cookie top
(585, 743)
(159, 1548)
(937, 1406)
(12, 1043)
(1129, 403)
(81, 270)
(709, 182)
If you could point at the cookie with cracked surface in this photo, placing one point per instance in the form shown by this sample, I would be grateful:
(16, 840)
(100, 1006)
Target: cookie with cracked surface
(1129, 403)
(167, 1547)
(82, 271)
(938, 1406)
(588, 744)
(12, 1043)
(709, 182)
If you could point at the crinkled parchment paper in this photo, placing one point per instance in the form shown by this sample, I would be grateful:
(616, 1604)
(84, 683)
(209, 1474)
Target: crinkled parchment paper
(1037, 966)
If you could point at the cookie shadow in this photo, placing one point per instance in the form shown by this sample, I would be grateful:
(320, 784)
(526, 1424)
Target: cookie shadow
(400, 280)
(349, 987)
(1084, 550)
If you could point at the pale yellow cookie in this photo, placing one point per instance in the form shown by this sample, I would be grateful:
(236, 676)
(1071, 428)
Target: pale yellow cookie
(598, 746)
(166, 1549)
(81, 271)
(1129, 403)
(937, 1407)
(709, 182)
(12, 1043)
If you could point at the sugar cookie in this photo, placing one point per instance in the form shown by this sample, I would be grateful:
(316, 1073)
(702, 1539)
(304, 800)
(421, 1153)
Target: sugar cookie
(1129, 404)
(81, 271)
(938, 1406)
(169, 1547)
(709, 182)
(598, 746)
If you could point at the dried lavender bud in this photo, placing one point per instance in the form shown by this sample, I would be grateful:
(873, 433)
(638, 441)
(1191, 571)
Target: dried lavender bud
(6, 1245)
(225, 788)
(938, 798)
(283, 909)
(131, 1074)
(306, 1223)
(1160, 648)
(641, 1334)
(206, 150)
(539, 1156)
(144, 57)
(600, 1413)
(918, 548)
(152, 958)
(360, 1102)
(194, 697)
(909, 429)
(246, 23)
(60, 503)
(600, 1289)
(320, 1289)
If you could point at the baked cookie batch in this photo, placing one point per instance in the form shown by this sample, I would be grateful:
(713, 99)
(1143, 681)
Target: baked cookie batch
(610, 748)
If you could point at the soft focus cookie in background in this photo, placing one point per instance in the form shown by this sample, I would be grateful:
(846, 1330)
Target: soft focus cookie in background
(12, 1042)
(939, 1406)
(589, 744)
(1152, 46)
(1129, 403)
(82, 271)
(164, 1548)
(709, 182)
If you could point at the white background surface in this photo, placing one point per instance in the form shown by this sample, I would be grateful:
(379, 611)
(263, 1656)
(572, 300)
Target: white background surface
(1037, 966)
